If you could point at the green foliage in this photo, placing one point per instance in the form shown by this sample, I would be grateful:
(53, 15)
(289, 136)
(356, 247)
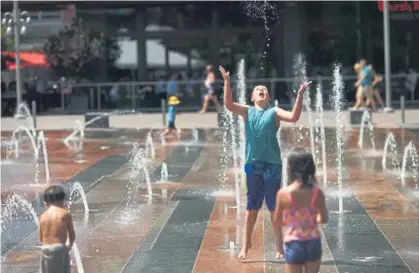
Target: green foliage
(79, 53)
(7, 41)
(7, 44)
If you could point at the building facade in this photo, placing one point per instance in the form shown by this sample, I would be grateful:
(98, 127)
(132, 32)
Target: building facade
(172, 35)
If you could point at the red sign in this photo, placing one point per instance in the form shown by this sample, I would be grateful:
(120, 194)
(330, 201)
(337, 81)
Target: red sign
(404, 6)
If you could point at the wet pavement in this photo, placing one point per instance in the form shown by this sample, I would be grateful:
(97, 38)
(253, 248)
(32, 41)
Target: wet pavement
(193, 223)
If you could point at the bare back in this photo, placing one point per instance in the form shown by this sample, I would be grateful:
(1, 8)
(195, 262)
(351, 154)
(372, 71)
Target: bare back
(54, 223)
(301, 197)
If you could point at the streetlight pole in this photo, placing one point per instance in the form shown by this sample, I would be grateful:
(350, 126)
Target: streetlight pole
(386, 22)
(16, 22)
(16, 18)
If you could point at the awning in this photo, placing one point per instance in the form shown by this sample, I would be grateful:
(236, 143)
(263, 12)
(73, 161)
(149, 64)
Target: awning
(26, 59)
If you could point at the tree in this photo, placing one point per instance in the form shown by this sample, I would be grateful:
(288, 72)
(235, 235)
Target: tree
(7, 44)
(79, 53)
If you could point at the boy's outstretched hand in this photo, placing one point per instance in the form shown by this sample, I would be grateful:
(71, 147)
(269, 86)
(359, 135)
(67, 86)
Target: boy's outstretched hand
(303, 87)
(225, 74)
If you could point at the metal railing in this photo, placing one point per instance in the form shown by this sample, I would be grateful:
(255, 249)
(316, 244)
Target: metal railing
(143, 96)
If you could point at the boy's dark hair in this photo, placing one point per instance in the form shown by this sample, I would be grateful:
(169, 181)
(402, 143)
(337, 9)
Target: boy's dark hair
(54, 194)
(301, 167)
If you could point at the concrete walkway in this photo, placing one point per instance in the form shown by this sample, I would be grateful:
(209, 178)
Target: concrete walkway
(195, 120)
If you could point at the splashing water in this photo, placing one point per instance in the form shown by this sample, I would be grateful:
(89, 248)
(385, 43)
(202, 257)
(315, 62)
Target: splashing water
(226, 124)
(22, 111)
(284, 172)
(13, 206)
(162, 140)
(232, 132)
(366, 118)
(390, 146)
(164, 173)
(195, 134)
(320, 133)
(77, 256)
(255, 10)
(79, 128)
(74, 143)
(78, 188)
(241, 87)
(137, 166)
(42, 142)
(337, 104)
(15, 146)
(31, 138)
(300, 135)
(411, 152)
(150, 152)
(300, 73)
(278, 135)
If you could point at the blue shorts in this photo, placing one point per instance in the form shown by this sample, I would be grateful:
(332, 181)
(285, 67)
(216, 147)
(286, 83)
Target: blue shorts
(300, 252)
(263, 182)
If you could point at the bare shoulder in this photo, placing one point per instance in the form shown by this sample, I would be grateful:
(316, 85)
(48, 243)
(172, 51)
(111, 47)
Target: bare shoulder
(282, 193)
(320, 193)
(42, 218)
(67, 214)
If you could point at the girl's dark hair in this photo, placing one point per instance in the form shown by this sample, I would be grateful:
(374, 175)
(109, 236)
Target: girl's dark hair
(54, 194)
(301, 167)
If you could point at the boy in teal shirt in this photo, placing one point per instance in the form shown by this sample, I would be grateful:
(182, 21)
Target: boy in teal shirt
(263, 166)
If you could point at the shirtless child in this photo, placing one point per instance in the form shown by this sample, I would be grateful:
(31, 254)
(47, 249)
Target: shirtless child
(55, 223)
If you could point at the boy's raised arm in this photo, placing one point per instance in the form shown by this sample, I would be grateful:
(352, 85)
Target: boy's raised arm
(294, 115)
(232, 106)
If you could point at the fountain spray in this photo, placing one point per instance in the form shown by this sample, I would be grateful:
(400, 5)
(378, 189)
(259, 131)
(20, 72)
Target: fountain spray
(410, 151)
(137, 165)
(77, 187)
(320, 128)
(42, 142)
(233, 137)
(31, 138)
(366, 118)
(79, 128)
(23, 109)
(149, 147)
(241, 86)
(226, 124)
(300, 76)
(164, 173)
(337, 104)
(390, 144)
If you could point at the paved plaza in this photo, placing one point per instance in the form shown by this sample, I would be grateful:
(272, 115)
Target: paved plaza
(193, 223)
(195, 120)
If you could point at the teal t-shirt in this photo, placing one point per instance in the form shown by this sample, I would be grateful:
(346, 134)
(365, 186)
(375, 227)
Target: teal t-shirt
(261, 142)
(171, 113)
(368, 79)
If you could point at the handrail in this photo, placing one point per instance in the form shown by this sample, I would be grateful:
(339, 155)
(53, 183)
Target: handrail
(249, 80)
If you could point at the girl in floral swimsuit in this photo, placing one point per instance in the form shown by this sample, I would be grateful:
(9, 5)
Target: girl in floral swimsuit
(300, 207)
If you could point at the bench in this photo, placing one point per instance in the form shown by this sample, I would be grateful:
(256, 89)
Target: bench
(356, 116)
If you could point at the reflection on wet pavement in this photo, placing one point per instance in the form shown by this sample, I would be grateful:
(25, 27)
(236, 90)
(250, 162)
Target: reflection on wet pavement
(192, 223)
